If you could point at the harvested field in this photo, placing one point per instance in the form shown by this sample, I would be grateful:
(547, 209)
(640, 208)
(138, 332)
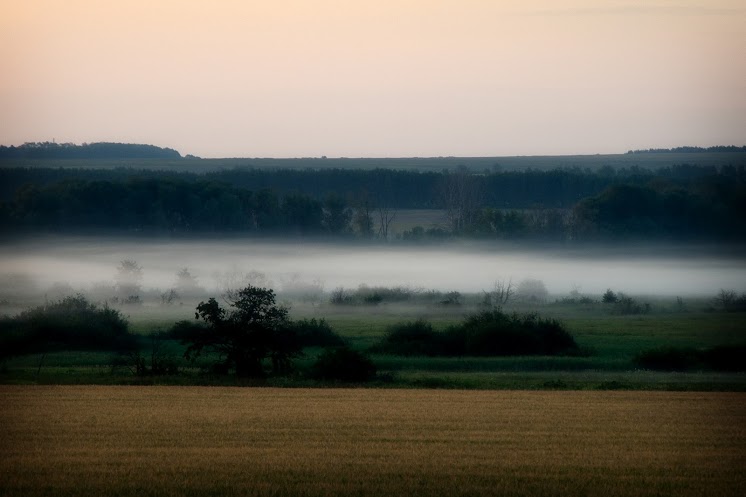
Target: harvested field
(139, 441)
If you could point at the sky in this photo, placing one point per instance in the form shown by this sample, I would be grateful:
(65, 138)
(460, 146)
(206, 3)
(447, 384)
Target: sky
(382, 78)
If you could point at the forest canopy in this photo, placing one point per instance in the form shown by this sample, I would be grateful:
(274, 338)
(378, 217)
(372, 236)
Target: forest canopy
(673, 203)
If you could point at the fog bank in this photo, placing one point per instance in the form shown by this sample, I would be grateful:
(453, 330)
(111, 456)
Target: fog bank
(86, 261)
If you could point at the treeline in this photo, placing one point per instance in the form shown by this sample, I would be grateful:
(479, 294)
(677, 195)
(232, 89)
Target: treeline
(169, 205)
(688, 150)
(101, 150)
(403, 189)
(715, 211)
(673, 203)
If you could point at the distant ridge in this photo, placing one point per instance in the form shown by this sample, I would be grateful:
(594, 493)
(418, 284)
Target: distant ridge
(717, 148)
(100, 150)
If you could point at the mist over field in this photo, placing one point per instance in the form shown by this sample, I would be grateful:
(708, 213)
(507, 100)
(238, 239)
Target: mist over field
(287, 266)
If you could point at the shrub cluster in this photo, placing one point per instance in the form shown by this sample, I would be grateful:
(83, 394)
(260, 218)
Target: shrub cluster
(719, 358)
(72, 323)
(415, 338)
(372, 295)
(489, 333)
(343, 364)
(315, 333)
(624, 304)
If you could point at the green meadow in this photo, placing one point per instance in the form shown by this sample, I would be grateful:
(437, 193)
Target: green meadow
(609, 344)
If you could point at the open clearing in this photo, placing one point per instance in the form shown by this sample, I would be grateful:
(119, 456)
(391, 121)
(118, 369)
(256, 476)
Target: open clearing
(100, 440)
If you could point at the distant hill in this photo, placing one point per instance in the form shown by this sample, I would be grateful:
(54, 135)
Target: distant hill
(101, 150)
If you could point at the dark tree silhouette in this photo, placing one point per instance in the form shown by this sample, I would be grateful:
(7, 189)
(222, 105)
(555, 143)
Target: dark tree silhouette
(337, 215)
(255, 329)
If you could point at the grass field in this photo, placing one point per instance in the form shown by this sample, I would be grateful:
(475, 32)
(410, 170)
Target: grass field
(141, 441)
(612, 342)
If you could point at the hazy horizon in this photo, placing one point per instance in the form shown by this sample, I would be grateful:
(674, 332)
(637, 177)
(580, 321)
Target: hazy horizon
(409, 78)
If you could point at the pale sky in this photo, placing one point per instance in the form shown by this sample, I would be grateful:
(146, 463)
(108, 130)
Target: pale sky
(383, 78)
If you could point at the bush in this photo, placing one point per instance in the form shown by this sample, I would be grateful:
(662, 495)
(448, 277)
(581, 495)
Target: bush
(371, 295)
(719, 358)
(72, 323)
(184, 330)
(451, 299)
(315, 333)
(340, 296)
(489, 333)
(625, 305)
(343, 364)
(582, 300)
(725, 358)
(669, 359)
(414, 338)
(496, 333)
(378, 294)
(609, 297)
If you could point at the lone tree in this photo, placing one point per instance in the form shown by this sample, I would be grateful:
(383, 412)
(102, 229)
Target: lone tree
(254, 329)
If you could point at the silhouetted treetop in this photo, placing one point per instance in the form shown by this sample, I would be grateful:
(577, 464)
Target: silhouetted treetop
(100, 150)
(686, 149)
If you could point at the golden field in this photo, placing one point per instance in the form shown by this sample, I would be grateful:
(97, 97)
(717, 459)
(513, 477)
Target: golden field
(140, 441)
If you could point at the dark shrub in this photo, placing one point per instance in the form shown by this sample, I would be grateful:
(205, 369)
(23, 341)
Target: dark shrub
(555, 385)
(627, 305)
(183, 330)
(340, 296)
(453, 341)
(489, 333)
(411, 339)
(378, 294)
(496, 333)
(373, 298)
(669, 359)
(719, 358)
(609, 297)
(451, 298)
(725, 358)
(315, 333)
(343, 364)
(371, 295)
(72, 323)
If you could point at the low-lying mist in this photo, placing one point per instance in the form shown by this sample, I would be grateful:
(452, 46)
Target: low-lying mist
(83, 263)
